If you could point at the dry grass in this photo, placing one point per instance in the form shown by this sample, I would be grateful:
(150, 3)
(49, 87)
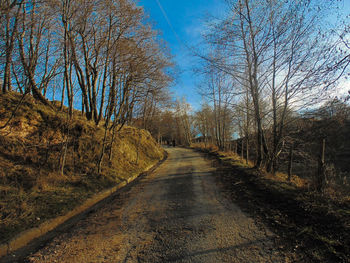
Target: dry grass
(310, 223)
(31, 148)
(282, 177)
(205, 146)
(235, 159)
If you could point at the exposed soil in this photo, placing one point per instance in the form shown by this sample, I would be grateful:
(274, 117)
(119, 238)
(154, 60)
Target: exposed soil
(177, 214)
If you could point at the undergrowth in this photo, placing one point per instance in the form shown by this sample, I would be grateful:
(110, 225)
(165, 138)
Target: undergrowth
(310, 227)
(331, 191)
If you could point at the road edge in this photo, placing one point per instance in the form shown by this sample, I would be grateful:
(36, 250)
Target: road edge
(34, 234)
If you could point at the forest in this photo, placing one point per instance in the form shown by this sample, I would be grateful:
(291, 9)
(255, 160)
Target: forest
(270, 72)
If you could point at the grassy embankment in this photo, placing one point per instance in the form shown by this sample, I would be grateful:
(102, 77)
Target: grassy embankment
(310, 227)
(32, 147)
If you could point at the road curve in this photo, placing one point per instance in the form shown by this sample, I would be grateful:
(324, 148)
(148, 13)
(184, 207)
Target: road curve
(176, 214)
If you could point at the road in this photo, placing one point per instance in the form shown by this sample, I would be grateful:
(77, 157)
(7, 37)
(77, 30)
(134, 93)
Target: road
(175, 214)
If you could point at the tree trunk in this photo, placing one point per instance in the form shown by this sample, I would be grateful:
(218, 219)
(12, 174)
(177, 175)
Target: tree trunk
(290, 163)
(111, 145)
(64, 153)
(247, 150)
(104, 142)
(321, 180)
(9, 46)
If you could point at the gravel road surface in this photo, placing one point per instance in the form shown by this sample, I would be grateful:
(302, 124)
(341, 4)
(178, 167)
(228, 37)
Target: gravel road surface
(175, 214)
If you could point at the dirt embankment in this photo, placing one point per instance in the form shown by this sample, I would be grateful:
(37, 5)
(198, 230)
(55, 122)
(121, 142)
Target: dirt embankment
(39, 142)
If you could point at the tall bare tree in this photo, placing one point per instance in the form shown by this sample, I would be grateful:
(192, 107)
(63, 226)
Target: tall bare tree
(9, 12)
(280, 53)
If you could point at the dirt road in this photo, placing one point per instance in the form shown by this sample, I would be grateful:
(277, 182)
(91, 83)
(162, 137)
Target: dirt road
(176, 214)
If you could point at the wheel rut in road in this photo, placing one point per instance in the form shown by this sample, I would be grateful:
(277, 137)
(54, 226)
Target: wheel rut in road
(176, 214)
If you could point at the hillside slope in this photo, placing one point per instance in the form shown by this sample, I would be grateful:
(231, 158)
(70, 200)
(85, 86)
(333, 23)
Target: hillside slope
(39, 141)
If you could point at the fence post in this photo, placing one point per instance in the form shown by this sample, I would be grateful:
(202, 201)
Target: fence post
(320, 180)
(290, 162)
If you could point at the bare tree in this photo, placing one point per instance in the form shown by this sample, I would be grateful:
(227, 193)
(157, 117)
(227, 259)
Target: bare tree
(183, 122)
(9, 20)
(204, 122)
(280, 53)
(34, 47)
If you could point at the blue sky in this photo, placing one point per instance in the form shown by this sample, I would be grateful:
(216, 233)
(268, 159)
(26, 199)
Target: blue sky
(186, 18)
